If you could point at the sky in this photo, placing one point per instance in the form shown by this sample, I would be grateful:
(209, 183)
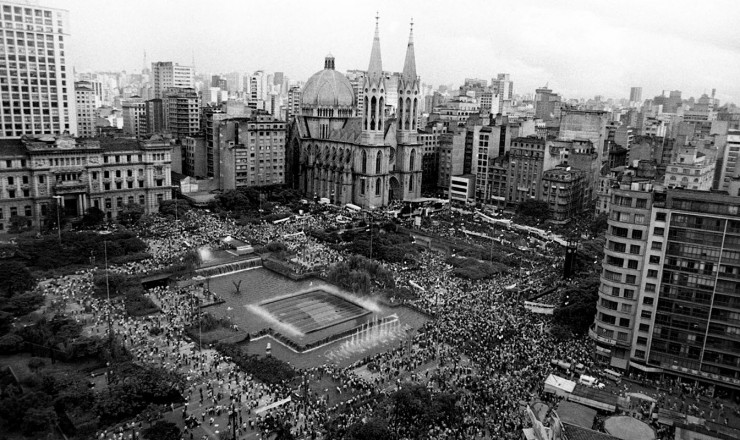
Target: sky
(578, 48)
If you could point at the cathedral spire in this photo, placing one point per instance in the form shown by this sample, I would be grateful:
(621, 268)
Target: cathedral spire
(409, 66)
(376, 66)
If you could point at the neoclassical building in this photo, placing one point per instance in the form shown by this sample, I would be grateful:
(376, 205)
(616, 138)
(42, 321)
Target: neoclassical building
(368, 159)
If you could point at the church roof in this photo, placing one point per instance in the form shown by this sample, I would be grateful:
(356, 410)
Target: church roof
(328, 88)
(409, 65)
(375, 68)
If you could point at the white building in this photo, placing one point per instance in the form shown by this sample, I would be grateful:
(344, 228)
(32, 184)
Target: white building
(166, 74)
(37, 97)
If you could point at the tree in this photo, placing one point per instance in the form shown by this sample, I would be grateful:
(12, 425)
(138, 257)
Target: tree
(18, 224)
(162, 430)
(130, 214)
(15, 278)
(54, 215)
(93, 217)
(599, 224)
(174, 208)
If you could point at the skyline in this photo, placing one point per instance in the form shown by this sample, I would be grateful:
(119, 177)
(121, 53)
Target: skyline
(536, 42)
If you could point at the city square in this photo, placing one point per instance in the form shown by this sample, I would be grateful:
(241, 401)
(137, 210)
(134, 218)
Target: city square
(350, 243)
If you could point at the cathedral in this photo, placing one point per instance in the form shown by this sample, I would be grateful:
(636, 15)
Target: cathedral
(368, 158)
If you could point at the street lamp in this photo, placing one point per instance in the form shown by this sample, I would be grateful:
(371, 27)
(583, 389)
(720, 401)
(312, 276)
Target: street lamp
(59, 221)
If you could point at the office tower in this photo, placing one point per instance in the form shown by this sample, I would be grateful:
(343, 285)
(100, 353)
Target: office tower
(155, 116)
(547, 104)
(166, 75)
(134, 116)
(294, 103)
(585, 124)
(730, 158)
(252, 151)
(182, 112)
(258, 86)
(668, 294)
(36, 85)
(86, 102)
(635, 96)
(357, 79)
(503, 86)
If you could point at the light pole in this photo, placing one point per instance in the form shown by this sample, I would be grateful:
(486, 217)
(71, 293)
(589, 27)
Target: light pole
(59, 220)
(110, 307)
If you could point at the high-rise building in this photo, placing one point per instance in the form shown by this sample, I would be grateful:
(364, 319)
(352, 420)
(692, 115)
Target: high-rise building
(155, 116)
(547, 104)
(86, 102)
(134, 116)
(294, 103)
(182, 110)
(38, 95)
(668, 294)
(635, 96)
(503, 86)
(690, 169)
(166, 75)
(252, 151)
(585, 124)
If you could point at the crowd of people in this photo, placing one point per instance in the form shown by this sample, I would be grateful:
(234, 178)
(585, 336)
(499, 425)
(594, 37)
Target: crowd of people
(482, 344)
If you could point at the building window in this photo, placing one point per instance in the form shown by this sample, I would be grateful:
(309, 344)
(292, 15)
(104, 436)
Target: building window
(632, 264)
(649, 287)
(11, 194)
(108, 204)
(640, 354)
(378, 162)
(119, 185)
(363, 165)
(648, 301)
(656, 246)
(362, 187)
(119, 202)
(654, 259)
(378, 186)
(42, 179)
(646, 314)
(629, 293)
(631, 279)
(615, 291)
(637, 234)
(659, 231)
(660, 216)
(624, 322)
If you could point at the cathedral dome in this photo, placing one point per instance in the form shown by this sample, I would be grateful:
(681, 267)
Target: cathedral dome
(327, 88)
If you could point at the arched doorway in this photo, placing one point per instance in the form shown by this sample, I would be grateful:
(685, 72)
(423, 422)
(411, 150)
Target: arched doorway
(394, 190)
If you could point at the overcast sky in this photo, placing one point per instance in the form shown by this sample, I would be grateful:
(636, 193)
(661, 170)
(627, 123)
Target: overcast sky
(579, 48)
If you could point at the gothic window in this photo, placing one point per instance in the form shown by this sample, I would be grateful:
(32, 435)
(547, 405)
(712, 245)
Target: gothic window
(367, 108)
(381, 113)
(406, 123)
(413, 115)
(378, 162)
(378, 185)
(363, 167)
(373, 112)
(412, 160)
(411, 184)
(400, 108)
(362, 187)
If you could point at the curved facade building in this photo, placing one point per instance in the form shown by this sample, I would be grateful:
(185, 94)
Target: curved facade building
(622, 275)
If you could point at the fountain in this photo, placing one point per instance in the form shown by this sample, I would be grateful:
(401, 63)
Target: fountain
(235, 266)
(368, 336)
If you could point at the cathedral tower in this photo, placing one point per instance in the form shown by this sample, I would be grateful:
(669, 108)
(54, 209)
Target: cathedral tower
(373, 115)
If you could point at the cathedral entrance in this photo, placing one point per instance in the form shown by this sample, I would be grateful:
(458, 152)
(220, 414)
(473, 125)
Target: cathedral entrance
(394, 190)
